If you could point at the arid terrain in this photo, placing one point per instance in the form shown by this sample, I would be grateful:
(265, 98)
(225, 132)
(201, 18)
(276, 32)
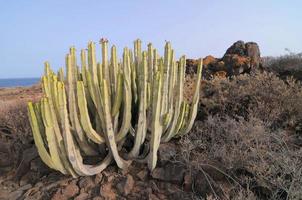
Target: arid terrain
(246, 142)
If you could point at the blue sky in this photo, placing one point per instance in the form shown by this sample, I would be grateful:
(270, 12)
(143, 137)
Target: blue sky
(32, 32)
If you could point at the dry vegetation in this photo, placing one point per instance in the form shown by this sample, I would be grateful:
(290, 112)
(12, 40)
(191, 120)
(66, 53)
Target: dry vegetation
(286, 65)
(247, 140)
(252, 132)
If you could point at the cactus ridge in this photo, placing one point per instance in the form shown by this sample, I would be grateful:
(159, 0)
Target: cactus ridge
(96, 107)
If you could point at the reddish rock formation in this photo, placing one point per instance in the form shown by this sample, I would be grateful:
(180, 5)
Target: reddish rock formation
(239, 58)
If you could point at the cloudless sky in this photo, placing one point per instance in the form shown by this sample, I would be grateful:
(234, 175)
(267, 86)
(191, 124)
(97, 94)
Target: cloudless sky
(33, 31)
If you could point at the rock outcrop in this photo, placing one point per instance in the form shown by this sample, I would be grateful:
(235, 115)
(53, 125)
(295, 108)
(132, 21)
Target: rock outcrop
(240, 58)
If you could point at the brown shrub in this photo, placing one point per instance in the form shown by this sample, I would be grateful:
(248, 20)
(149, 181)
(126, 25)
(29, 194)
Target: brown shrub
(284, 66)
(262, 95)
(249, 132)
(248, 151)
(15, 133)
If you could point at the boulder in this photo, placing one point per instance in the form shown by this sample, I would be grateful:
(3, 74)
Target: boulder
(242, 57)
(239, 58)
(125, 186)
(171, 172)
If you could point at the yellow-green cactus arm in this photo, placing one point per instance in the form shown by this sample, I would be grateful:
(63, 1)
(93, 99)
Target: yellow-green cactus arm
(46, 158)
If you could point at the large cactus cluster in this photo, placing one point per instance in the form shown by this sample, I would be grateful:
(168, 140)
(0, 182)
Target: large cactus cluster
(117, 110)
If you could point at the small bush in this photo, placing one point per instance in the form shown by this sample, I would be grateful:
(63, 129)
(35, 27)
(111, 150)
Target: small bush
(284, 66)
(15, 132)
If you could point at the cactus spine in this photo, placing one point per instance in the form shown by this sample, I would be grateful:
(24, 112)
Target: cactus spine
(139, 98)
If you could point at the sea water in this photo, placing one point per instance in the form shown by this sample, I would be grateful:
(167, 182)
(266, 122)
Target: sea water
(14, 82)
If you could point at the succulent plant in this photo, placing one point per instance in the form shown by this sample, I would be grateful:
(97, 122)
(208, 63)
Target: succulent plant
(99, 107)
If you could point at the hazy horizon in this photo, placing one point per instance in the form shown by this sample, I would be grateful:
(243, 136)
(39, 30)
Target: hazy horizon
(38, 31)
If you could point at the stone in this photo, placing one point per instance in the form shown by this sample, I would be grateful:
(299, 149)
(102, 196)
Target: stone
(171, 172)
(152, 197)
(98, 178)
(82, 196)
(107, 192)
(239, 58)
(242, 57)
(154, 186)
(237, 48)
(66, 193)
(71, 190)
(15, 195)
(236, 65)
(86, 183)
(187, 182)
(125, 186)
(142, 175)
(38, 165)
(98, 198)
(253, 52)
(209, 60)
(167, 151)
(27, 156)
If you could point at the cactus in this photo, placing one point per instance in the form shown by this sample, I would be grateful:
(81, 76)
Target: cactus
(139, 98)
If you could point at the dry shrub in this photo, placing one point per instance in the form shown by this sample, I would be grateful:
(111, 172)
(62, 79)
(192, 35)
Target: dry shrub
(262, 95)
(14, 117)
(284, 66)
(15, 133)
(248, 134)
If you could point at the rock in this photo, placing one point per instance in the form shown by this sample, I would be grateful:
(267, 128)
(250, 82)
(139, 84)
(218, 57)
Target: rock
(220, 74)
(25, 187)
(236, 65)
(142, 175)
(71, 190)
(253, 52)
(154, 186)
(86, 183)
(187, 182)
(98, 178)
(125, 186)
(242, 57)
(239, 58)
(152, 197)
(82, 196)
(237, 48)
(166, 151)
(172, 172)
(107, 192)
(15, 195)
(98, 198)
(38, 165)
(27, 156)
(209, 60)
(68, 192)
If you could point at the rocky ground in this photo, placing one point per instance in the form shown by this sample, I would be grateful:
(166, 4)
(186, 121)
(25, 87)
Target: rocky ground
(24, 175)
(246, 143)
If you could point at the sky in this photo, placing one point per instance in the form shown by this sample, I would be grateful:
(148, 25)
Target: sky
(32, 32)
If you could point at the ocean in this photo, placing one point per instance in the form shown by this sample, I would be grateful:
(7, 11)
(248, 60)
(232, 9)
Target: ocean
(14, 82)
